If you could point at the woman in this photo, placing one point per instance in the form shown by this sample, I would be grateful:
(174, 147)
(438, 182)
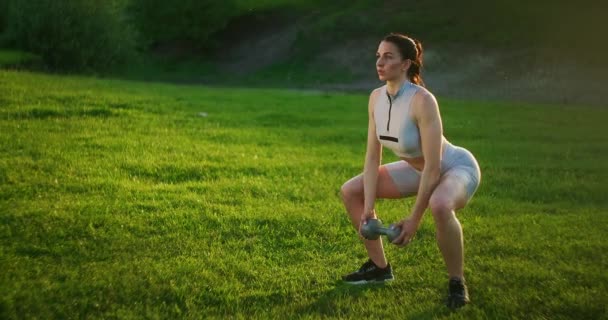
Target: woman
(404, 117)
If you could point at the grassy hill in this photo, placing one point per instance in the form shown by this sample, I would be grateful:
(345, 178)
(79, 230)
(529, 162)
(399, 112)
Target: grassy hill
(541, 51)
(124, 199)
(557, 25)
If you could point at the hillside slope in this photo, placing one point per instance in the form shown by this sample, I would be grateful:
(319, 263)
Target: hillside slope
(541, 52)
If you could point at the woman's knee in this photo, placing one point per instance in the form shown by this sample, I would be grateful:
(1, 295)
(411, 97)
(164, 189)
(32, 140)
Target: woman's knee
(441, 207)
(351, 189)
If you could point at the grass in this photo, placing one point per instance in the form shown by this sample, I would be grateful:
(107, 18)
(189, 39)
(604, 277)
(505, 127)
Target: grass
(185, 71)
(121, 200)
(10, 58)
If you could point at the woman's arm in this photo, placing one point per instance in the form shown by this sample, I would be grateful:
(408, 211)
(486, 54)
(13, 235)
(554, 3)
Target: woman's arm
(431, 136)
(426, 112)
(373, 156)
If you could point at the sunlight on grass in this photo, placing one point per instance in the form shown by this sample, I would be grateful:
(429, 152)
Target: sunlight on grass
(119, 200)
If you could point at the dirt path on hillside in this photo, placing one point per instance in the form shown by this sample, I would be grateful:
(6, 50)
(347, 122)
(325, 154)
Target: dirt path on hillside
(450, 71)
(491, 75)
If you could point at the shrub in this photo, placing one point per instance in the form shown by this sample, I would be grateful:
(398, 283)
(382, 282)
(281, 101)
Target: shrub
(192, 21)
(3, 11)
(71, 34)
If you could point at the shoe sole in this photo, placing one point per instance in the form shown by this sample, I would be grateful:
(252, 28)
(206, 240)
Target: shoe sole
(369, 281)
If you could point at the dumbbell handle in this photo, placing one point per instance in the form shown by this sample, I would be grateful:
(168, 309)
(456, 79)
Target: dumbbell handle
(391, 233)
(374, 228)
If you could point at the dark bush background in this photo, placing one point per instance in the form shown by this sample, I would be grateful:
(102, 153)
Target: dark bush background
(71, 34)
(100, 34)
(190, 22)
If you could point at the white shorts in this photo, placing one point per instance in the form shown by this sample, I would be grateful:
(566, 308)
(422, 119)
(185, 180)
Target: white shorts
(455, 161)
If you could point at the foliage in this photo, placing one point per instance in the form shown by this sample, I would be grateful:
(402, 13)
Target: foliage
(93, 34)
(72, 34)
(3, 14)
(190, 21)
(15, 58)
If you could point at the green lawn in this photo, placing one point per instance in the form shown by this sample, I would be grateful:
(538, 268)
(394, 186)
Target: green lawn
(121, 200)
(11, 58)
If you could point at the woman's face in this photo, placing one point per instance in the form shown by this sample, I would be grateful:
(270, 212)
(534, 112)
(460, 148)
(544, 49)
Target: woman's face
(389, 63)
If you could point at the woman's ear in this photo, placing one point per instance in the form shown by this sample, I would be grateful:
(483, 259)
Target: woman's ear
(406, 65)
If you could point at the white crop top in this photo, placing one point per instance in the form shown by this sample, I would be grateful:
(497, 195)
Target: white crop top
(396, 128)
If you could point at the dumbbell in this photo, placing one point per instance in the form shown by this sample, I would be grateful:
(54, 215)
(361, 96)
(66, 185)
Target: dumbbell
(373, 229)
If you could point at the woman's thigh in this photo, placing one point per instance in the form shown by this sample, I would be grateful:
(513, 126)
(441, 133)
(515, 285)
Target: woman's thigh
(456, 187)
(395, 180)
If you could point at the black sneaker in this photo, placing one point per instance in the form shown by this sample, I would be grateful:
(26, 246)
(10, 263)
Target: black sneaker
(458, 295)
(370, 273)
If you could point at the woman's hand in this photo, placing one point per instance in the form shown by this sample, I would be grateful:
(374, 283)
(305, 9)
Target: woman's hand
(408, 227)
(367, 214)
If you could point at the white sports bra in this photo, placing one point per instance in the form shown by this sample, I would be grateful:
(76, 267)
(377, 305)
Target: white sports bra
(396, 128)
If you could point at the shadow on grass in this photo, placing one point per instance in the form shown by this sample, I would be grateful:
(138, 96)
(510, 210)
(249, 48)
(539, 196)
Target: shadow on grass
(328, 303)
(338, 302)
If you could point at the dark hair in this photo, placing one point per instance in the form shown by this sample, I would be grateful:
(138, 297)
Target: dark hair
(409, 48)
